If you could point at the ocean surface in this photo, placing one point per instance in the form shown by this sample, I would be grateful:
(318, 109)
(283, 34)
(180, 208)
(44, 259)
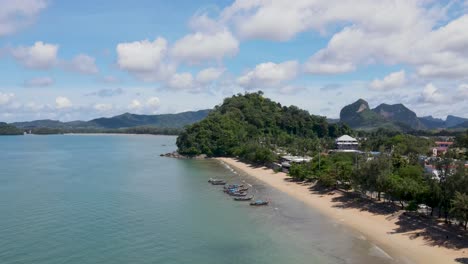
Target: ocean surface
(113, 199)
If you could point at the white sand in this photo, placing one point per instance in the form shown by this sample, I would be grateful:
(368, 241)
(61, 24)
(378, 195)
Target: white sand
(374, 227)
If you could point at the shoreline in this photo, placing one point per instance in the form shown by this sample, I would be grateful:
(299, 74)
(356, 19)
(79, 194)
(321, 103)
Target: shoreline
(379, 228)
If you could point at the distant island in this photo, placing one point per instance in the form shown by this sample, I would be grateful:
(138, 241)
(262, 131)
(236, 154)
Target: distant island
(164, 124)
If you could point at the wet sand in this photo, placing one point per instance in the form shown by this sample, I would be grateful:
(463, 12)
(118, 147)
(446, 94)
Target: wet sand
(412, 239)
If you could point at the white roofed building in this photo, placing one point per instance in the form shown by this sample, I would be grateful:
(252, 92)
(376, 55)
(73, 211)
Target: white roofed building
(346, 142)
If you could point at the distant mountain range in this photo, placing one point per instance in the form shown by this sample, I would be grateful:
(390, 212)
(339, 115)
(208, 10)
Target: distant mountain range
(126, 120)
(397, 116)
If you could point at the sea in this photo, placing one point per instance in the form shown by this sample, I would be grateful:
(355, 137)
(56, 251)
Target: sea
(114, 199)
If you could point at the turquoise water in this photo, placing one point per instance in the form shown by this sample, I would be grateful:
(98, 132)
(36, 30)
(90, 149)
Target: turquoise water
(112, 199)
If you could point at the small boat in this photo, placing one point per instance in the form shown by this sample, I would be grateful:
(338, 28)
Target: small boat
(259, 203)
(217, 181)
(233, 186)
(243, 198)
(221, 182)
(238, 194)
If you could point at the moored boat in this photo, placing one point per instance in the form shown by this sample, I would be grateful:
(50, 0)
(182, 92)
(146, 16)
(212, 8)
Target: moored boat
(259, 203)
(238, 194)
(217, 181)
(248, 198)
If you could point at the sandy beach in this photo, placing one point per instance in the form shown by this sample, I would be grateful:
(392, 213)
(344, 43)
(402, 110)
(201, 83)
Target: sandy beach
(413, 240)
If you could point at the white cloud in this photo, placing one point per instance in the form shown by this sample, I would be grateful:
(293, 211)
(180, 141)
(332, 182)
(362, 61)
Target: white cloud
(181, 81)
(209, 75)
(135, 105)
(15, 15)
(141, 56)
(200, 47)
(203, 23)
(103, 107)
(39, 82)
(145, 59)
(5, 98)
(365, 32)
(432, 95)
(269, 74)
(38, 56)
(391, 81)
(82, 63)
(150, 106)
(62, 102)
(153, 102)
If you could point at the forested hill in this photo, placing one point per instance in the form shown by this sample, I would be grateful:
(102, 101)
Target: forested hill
(251, 126)
(126, 120)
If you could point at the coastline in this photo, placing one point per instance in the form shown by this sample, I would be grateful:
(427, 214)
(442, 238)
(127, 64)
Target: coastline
(378, 228)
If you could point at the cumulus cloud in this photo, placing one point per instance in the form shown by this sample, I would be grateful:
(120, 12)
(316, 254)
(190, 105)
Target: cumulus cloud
(181, 81)
(153, 102)
(6, 98)
(62, 102)
(39, 82)
(200, 47)
(145, 59)
(269, 74)
(15, 15)
(412, 32)
(391, 81)
(432, 95)
(209, 75)
(39, 56)
(82, 63)
(150, 106)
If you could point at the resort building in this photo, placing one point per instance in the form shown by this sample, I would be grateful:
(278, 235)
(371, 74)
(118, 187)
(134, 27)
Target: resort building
(346, 143)
(441, 147)
(287, 160)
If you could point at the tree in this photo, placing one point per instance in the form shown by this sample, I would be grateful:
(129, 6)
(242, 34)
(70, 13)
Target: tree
(460, 207)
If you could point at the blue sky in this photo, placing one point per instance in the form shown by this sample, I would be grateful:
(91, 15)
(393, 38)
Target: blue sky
(72, 60)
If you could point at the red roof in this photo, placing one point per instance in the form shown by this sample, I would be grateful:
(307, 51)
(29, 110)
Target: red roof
(444, 143)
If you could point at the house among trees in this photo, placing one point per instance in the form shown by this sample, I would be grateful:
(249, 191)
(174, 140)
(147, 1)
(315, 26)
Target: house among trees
(346, 143)
(441, 147)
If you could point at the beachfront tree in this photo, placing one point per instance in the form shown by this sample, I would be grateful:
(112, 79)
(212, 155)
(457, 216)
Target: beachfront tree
(460, 208)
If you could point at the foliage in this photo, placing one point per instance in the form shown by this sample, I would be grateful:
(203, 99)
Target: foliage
(460, 207)
(6, 129)
(251, 126)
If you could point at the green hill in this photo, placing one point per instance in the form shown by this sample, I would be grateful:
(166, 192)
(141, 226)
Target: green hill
(399, 113)
(358, 114)
(251, 126)
(6, 129)
(126, 120)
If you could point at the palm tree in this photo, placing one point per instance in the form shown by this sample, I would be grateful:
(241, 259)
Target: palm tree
(460, 207)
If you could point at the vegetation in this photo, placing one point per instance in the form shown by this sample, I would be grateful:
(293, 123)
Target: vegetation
(395, 178)
(253, 127)
(126, 120)
(6, 129)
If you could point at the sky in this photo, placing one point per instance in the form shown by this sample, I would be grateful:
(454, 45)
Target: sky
(79, 60)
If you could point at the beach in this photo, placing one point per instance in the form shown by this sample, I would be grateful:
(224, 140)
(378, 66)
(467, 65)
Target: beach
(412, 240)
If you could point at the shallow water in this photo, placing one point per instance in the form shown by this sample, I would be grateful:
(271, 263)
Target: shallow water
(112, 199)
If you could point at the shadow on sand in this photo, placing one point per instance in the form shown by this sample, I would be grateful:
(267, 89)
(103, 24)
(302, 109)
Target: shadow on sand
(434, 232)
(413, 225)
